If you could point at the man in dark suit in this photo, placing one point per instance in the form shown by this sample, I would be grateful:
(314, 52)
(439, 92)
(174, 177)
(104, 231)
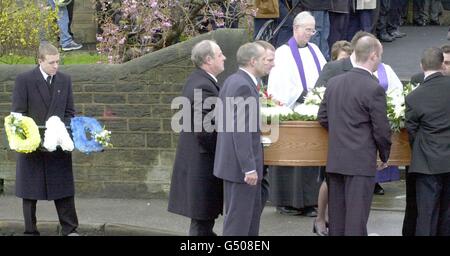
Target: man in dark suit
(409, 221)
(41, 93)
(418, 78)
(427, 119)
(194, 191)
(269, 63)
(354, 113)
(239, 152)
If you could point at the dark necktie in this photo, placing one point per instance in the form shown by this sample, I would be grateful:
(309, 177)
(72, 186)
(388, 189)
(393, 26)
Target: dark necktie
(49, 80)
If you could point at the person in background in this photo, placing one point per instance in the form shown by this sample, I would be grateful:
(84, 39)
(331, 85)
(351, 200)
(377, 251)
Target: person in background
(70, 13)
(362, 17)
(294, 190)
(269, 63)
(339, 20)
(340, 50)
(194, 191)
(65, 39)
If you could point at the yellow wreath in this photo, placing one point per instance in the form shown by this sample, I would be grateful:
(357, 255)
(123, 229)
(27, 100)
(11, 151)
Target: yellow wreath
(26, 140)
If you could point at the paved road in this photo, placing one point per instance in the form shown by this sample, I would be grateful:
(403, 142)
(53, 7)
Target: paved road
(140, 215)
(404, 53)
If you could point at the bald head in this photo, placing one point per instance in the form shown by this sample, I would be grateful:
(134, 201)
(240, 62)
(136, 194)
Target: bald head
(365, 47)
(360, 34)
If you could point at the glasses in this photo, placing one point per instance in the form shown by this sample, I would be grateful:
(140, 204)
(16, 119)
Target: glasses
(307, 30)
(310, 30)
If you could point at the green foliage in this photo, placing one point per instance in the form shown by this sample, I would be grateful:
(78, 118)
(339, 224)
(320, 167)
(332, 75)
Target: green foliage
(297, 117)
(66, 59)
(82, 58)
(23, 24)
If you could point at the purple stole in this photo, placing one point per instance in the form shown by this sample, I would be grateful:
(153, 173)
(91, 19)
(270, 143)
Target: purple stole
(382, 76)
(390, 173)
(298, 60)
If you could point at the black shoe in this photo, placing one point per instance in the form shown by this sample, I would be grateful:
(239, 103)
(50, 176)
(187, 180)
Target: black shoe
(378, 190)
(434, 23)
(34, 233)
(287, 210)
(386, 38)
(397, 34)
(310, 212)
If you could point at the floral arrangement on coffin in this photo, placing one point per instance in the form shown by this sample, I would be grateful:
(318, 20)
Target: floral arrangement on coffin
(88, 135)
(396, 107)
(22, 132)
(307, 111)
(271, 107)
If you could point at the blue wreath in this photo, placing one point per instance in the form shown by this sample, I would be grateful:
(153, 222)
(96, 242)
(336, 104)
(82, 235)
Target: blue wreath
(82, 125)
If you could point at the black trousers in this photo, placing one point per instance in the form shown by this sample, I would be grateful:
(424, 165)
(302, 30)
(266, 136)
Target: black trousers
(202, 228)
(409, 221)
(70, 12)
(350, 198)
(65, 208)
(338, 27)
(385, 6)
(433, 204)
(264, 188)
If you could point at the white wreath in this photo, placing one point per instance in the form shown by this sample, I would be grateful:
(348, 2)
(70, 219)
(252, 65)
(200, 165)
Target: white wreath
(56, 135)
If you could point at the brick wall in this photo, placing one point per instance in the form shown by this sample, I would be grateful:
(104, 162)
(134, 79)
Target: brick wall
(133, 101)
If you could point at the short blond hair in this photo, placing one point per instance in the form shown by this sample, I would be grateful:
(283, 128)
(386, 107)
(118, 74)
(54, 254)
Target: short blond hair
(46, 48)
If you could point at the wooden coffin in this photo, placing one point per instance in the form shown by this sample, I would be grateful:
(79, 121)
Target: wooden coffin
(305, 143)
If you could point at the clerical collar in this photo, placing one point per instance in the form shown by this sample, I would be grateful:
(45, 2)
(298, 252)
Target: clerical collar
(251, 76)
(299, 46)
(45, 75)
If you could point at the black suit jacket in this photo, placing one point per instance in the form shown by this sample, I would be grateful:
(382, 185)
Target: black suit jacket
(354, 112)
(417, 78)
(194, 191)
(44, 175)
(238, 152)
(428, 124)
(332, 69)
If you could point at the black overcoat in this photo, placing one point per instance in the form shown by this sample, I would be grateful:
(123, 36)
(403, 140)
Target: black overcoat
(44, 175)
(194, 191)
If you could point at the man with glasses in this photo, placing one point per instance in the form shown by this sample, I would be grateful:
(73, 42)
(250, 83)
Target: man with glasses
(298, 63)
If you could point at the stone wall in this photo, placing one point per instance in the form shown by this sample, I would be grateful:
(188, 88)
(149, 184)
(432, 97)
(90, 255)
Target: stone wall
(84, 26)
(133, 101)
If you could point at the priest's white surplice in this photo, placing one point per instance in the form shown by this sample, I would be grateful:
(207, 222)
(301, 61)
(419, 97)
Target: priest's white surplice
(284, 79)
